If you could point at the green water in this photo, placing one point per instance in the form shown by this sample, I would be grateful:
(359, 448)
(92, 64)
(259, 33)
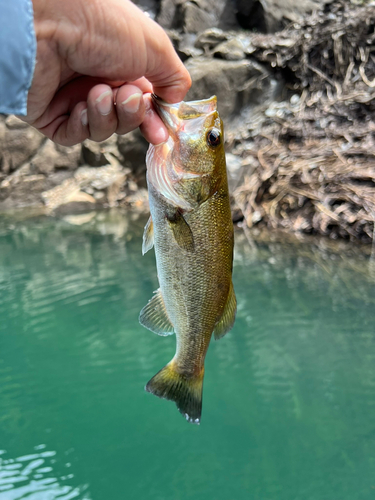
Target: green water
(289, 394)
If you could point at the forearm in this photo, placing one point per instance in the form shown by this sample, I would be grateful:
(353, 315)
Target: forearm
(17, 54)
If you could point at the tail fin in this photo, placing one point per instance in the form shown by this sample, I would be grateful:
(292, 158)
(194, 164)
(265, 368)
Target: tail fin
(184, 390)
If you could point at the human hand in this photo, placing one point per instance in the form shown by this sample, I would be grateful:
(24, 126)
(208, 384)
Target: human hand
(96, 62)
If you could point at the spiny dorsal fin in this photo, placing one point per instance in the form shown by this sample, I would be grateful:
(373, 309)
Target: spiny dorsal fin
(154, 316)
(226, 321)
(182, 232)
(148, 236)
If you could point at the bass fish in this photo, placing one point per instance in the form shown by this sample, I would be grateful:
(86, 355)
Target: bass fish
(192, 232)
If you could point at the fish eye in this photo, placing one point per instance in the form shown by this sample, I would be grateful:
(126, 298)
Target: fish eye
(213, 137)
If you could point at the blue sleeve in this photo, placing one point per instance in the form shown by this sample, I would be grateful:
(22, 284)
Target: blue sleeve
(17, 54)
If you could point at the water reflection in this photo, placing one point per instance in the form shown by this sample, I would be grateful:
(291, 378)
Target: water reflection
(32, 477)
(289, 401)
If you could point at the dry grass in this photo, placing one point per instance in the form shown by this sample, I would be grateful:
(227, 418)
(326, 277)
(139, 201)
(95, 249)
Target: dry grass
(315, 156)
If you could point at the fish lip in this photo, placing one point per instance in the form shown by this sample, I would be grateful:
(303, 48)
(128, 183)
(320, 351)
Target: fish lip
(169, 113)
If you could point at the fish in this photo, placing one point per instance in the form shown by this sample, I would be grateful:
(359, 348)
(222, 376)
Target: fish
(191, 230)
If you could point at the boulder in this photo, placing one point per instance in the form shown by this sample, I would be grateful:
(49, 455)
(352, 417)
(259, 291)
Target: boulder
(196, 16)
(237, 84)
(279, 13)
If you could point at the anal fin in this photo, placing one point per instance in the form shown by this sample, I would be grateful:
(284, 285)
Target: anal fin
(148, 236)
(226, 321)
(154, 316)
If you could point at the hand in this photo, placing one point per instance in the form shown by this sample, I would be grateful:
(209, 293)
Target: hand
(96, 62)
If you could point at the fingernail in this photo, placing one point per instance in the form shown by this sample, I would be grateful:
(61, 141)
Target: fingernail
(84, 119)
(104, 102)
(132, 103)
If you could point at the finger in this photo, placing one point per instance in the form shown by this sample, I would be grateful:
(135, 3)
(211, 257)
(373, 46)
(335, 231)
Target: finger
(72, 129)
(152, 128)
(101, 114)
(130, 108)
(143, 84)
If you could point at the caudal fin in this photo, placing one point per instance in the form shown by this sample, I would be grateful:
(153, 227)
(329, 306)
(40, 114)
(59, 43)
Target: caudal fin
(184, 390)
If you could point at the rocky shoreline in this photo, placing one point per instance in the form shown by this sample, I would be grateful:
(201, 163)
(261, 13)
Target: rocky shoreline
(296, 91)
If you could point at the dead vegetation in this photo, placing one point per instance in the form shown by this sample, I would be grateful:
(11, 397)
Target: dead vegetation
(311, 166)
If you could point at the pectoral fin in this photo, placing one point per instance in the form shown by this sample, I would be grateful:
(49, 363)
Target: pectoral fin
(148, 236)
(226, 321)
(181, 232)
(154, 316)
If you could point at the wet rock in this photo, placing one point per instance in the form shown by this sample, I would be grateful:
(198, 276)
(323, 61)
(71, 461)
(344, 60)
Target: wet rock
(237, 84)
(18, 145)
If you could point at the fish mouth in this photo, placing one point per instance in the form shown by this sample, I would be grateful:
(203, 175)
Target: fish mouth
(173, 115)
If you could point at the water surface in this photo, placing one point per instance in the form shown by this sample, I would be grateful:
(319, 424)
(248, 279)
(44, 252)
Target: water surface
(289, 394)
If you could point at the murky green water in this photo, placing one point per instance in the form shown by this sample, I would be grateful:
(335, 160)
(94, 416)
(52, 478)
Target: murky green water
(289, 394)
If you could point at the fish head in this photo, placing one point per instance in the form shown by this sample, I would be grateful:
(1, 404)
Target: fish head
(188, 168)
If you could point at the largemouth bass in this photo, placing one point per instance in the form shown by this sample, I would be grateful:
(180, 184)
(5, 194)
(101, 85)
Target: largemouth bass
(192, 232)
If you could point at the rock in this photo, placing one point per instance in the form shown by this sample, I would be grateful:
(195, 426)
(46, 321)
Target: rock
(67, 192)
(109, 178)
(196, 16)
(93, 154)
(210, 38)
(133, 147)
(251, 15)
(19, 191)
(51, 157)
(2, 139)
(170, 14)
(12, 123)
(18, 145)
(278, 13)
(196, 19)
(185, 47)
(232, 50)
(237, 84)
(223, 10)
